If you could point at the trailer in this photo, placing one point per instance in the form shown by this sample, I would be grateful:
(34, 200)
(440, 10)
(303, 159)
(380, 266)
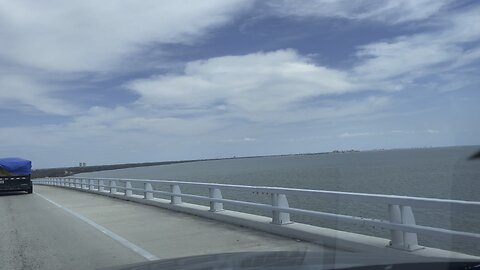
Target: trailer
(15, 175)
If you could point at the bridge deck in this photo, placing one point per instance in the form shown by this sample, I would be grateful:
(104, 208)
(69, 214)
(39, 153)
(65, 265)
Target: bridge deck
(56, 228)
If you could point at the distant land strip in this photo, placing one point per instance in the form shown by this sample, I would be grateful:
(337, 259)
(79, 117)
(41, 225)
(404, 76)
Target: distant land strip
(68, 171)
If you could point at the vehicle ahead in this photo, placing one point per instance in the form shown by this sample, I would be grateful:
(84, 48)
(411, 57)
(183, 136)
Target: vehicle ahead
(15, 175)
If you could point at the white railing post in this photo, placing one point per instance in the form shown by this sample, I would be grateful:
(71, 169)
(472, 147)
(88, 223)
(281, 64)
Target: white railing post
(113, 187)
(128, 192)
(410, 240)
(147, 193)
(396, 236)
(78, 185)
(400, 239)
(215, 193)
(101, 186)
(82, 181)
(280, 218)
(175, 189)
(92, 184)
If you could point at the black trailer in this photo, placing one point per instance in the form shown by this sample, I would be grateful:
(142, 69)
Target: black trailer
(15, 175)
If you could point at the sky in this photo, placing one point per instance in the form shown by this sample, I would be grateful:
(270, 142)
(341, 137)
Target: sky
(106, 82)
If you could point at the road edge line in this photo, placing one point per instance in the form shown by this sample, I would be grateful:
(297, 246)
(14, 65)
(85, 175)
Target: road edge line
(142, 252)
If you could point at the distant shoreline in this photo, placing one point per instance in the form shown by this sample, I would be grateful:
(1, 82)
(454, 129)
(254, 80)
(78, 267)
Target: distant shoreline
(68, 171)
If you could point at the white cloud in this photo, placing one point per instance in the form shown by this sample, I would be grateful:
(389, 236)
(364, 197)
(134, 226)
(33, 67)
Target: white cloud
(396, 63)
(254, 86)
(397, 132)
(402, 60)
(273, 87)
(19, 91)
(432, 131)
(385, 11)
(109, 121)
(88, 35)
(358, 134)
(403, 56)
(251, 97)
(54, 40)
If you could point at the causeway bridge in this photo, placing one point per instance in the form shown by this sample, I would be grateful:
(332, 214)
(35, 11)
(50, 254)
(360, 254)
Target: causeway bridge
(88, 223)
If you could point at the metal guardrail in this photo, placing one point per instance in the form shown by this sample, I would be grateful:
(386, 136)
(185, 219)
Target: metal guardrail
(401, 224)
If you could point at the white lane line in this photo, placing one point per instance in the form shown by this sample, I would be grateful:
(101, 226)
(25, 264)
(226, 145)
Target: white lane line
(142, 252)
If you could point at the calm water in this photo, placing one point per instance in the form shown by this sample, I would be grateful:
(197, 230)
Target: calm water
(433, 172)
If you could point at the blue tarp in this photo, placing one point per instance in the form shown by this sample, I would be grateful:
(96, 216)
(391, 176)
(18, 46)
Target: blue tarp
(16, 166)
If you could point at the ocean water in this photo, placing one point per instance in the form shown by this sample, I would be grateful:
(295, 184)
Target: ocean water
(431, 172)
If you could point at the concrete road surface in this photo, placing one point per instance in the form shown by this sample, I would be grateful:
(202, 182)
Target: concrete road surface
(55, 228)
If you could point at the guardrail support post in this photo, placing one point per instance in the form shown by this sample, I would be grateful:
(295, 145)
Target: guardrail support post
(92, 185)
(128, 192)
(280, 218)
(148, 194)
(101, 185)
(410, 240)
(175, 189)
(78, 181)
(215, 193)
(399, 239)
(395, 214)
(113, 187)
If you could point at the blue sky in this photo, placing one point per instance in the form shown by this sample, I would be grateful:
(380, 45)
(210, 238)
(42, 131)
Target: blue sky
(128, 81)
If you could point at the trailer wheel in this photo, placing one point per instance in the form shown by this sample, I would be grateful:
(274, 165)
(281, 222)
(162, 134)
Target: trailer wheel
(30, 190)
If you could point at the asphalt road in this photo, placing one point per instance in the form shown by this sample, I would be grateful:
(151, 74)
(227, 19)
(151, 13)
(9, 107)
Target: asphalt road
(56, 228)
(35, 234)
